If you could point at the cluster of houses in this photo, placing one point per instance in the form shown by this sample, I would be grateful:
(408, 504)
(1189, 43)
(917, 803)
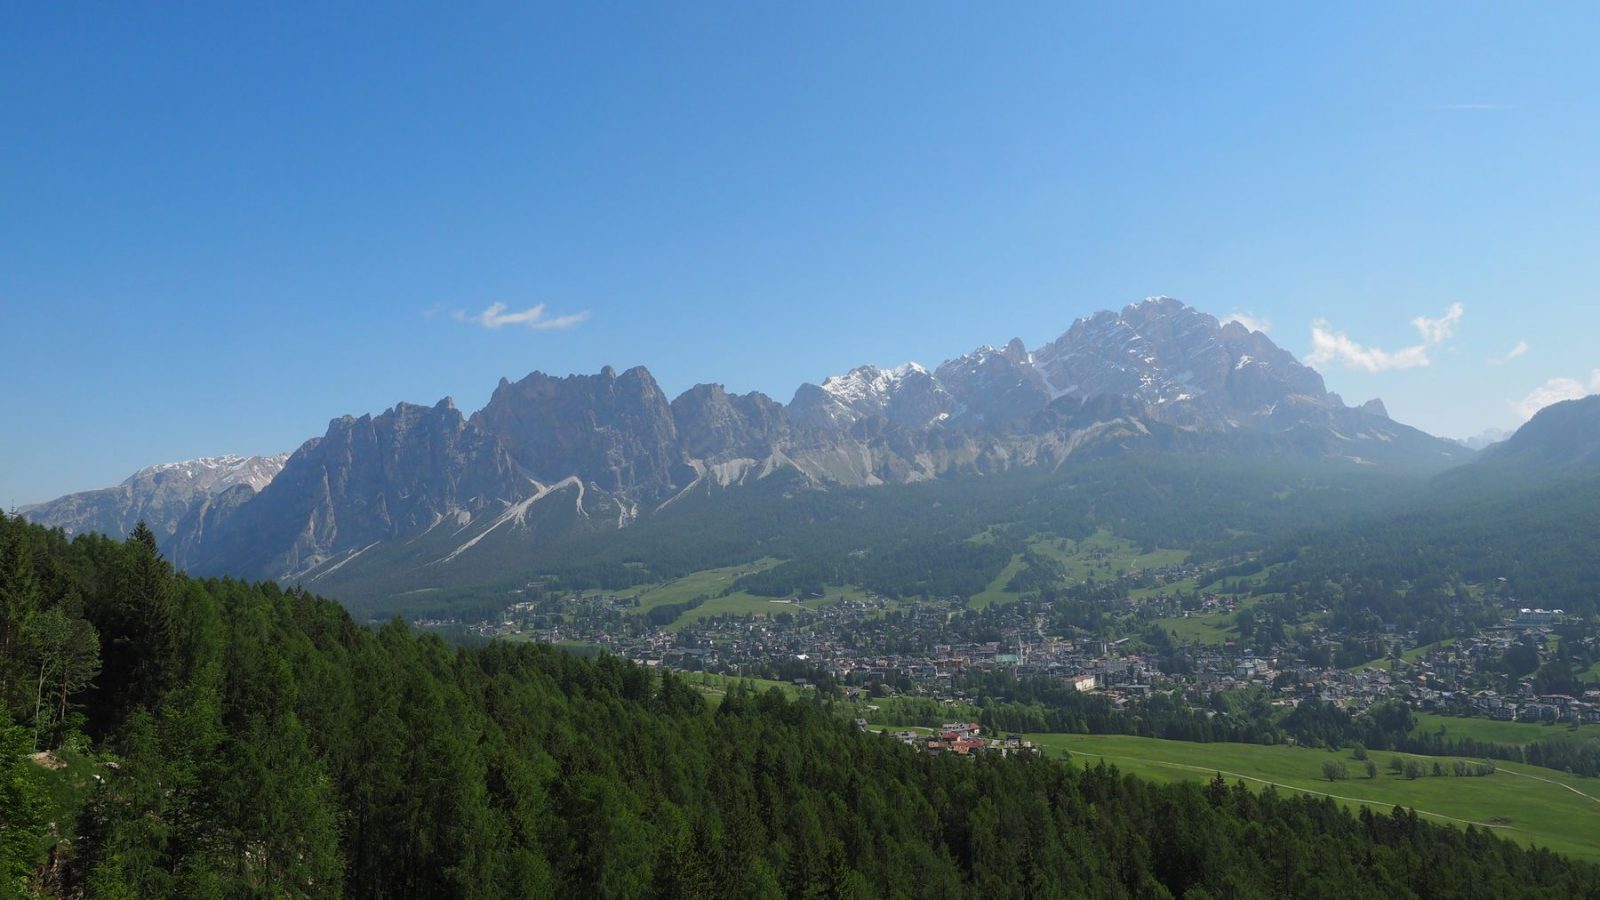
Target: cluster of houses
(961, 739)
(1443, 680)
(1539, 708)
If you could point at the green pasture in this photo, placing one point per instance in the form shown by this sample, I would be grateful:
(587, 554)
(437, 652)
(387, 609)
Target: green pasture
(1102, 555)
(709, 581)
(1480, 728)
(1530, 805)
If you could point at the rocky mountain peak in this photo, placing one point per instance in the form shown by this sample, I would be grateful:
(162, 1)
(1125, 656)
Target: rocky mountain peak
(616, 431)
(906, 395)
(714, 425)
(993, 386)
(1188, 367)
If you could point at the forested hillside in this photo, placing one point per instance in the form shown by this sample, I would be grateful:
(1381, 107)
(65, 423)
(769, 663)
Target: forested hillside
(1523, 519)
(217, 738)
(1469, 527)
(898, 540)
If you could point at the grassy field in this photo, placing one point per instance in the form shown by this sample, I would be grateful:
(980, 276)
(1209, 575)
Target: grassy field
(1410, 656)
(716, 687)
(996, 592)
(1530, 805)
(1186, 586)
(1416, 653)
(1215, 628)
(742, 604)
(1491, 730)
(1102, 555)
(711, 582)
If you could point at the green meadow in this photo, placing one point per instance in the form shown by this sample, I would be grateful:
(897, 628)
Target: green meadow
(1212, 628)
(712, 583)
(1479, 728)
(1102, 555)
(1530, 805)
(716, 687)
(709, 582)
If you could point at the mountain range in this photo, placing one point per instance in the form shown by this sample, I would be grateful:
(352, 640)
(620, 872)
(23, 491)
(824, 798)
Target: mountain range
(549, 457)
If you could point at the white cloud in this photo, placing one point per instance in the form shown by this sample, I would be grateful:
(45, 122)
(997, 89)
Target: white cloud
(1554, 391)
(1329, 346)
(1437, 331)
(1513, 353)
(1249, 321)
(496, 317)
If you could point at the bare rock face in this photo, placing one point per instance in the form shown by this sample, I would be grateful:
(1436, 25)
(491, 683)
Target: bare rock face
(616, 431)
(367, 480)
(993, 386)
(716, 426)
(1186, 366)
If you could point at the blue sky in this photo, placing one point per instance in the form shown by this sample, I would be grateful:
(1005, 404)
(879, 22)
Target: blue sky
(220, 228)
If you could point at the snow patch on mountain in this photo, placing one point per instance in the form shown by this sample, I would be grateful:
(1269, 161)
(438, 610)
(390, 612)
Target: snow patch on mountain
(215, 474)
(866, 383)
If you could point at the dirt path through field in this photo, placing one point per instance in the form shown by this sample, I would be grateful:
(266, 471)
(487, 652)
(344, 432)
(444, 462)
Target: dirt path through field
(1549, 781)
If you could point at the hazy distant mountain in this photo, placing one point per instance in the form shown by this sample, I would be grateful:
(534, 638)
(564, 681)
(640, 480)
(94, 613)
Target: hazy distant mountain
(1562, 436)
(161, 495)
(1484, 438)
(1526, 509)
(549, 455)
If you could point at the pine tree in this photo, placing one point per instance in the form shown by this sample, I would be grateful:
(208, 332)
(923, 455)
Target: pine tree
(19, 602)
(138, 628)
(21, 812)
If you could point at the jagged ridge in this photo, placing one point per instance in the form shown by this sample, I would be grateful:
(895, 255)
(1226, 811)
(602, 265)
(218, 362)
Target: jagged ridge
(547, 455)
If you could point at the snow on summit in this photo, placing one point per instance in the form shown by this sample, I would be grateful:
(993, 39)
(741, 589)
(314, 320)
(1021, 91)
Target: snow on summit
(869, 381)
(214, 474)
